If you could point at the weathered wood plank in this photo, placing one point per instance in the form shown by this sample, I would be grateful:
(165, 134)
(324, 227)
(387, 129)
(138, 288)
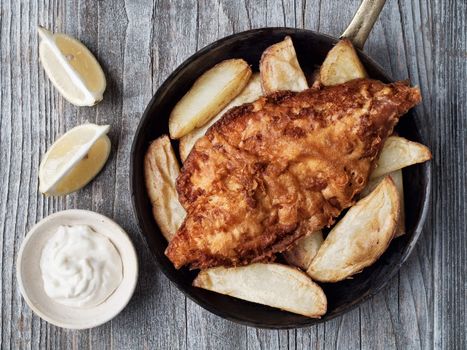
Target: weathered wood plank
(139, 43)
(448, 133)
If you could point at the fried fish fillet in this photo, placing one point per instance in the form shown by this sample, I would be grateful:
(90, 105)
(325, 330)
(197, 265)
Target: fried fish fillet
(286, 160)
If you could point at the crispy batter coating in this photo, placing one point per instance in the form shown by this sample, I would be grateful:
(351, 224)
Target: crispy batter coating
(287, 159)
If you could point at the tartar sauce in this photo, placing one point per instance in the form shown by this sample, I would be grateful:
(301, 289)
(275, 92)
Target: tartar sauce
(80, 267)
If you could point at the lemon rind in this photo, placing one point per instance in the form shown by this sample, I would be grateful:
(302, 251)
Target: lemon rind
(91, 98)
(45, 188)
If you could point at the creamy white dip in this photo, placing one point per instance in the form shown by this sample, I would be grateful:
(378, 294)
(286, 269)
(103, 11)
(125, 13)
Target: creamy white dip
(80, 267)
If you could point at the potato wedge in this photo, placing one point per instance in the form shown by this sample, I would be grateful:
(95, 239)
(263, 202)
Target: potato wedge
(341, 65)
(398, 180)
(211, 92)
(361, 237)
(396, 176)
(160, 172)
(280, 69)
(250, 93)
(275, 285)
(304, 250)
(398, 153)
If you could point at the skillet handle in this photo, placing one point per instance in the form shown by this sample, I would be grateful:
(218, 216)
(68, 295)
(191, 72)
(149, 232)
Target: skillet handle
(362, 23)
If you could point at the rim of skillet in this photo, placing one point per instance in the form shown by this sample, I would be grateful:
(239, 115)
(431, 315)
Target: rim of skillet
(425, 203)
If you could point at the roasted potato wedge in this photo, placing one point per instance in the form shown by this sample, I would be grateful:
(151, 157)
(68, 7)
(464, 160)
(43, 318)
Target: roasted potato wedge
(397, 178)
(275, 285)
(341, 65)
(304, 250)
(359, 238)
(250, 93)
(280, 69)
(160, 172)
(210, 93)
(398, 153)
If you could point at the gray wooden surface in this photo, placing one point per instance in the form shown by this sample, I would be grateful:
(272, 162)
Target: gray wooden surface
(139, 43)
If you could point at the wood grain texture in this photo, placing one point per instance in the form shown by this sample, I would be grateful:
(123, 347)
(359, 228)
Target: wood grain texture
(139, 43)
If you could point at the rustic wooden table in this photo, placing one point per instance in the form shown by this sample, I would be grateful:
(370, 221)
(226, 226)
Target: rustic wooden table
(138, 44)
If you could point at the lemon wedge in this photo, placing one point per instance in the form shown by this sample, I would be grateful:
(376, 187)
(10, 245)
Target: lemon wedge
(72, 68)
(74, 159)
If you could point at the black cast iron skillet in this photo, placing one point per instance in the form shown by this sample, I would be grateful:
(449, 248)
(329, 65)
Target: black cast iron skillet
(311, 48)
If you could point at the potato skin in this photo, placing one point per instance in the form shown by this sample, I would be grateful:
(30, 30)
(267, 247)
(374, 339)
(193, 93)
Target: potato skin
(398, 153)
(359, 238)
(210, 93)
(250, 93)
(341, 65)
(275, 285)
(160, 173)
(304, 250)
(280, 69)
(397, 177)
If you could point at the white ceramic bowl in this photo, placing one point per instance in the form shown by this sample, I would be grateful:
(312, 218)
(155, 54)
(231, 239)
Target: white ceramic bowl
(30, 280)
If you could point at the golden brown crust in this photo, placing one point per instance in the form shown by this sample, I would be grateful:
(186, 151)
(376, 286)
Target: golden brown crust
(288, 157)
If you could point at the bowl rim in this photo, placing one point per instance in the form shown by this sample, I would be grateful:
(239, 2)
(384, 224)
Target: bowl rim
(425, 204)
(130, 253)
